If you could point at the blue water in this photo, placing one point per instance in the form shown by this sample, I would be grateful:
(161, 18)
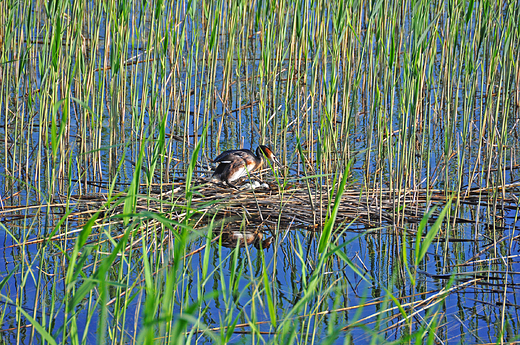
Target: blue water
(471, 314)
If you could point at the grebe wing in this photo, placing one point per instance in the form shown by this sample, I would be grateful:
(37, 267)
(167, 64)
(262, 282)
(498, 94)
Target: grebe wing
(233, 155)
(231, 171)
(224, 156)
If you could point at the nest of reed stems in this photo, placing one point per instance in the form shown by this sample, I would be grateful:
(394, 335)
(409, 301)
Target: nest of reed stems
(299, 205)
(274, 207)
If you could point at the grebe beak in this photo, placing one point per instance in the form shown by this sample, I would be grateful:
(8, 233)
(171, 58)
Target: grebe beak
(274, 159)
(270, 155)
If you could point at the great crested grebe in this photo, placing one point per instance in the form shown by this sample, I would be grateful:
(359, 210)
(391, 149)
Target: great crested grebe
(235, 164)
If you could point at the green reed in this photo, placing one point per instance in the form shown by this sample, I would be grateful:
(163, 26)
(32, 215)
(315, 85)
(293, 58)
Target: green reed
(418, 96)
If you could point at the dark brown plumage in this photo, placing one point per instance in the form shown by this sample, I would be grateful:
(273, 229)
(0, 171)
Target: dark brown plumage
(235, 164)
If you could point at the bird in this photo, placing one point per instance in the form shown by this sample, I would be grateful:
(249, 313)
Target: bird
(245, 238)
(234, 164)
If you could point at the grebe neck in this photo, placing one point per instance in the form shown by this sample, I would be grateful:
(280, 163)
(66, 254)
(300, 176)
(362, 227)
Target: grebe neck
(260, 156)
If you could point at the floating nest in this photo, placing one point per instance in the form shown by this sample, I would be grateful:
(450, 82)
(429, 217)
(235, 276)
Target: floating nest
(261, 207)
(251, 214)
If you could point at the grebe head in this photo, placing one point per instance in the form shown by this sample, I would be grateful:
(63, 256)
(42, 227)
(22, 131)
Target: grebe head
(265, 150)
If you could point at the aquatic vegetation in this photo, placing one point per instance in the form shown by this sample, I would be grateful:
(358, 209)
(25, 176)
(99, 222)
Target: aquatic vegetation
(392, 218)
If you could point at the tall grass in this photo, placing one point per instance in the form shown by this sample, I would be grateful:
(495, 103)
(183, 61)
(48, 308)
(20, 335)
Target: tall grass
(128, 100)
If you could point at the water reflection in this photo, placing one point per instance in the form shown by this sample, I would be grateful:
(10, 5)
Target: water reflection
(231, 239)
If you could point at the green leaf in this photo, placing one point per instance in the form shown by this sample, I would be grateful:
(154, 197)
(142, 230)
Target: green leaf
(329, 225)
(80, 242)
(269, 297)
(420, 230)
(48, 337)
(55, 136)
(470, 11)
(433, 232)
